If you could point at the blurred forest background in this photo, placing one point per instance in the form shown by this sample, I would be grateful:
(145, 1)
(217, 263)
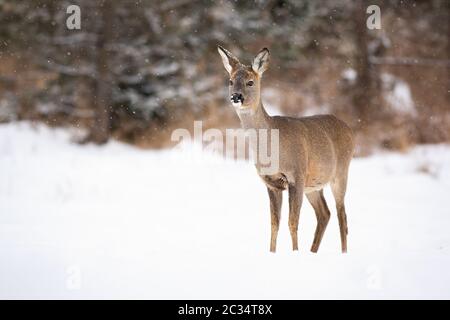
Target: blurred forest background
(138, 69)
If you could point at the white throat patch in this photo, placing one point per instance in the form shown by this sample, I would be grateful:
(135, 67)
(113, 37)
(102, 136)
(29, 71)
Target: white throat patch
(236, 104)
(244, 110)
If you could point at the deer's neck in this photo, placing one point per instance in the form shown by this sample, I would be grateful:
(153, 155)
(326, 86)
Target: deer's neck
(256, 118)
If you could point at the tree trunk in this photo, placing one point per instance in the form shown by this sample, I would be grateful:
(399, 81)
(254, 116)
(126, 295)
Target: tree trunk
(102, 84)
(366, 97)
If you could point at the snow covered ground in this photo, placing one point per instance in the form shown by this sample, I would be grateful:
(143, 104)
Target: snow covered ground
(118, 222)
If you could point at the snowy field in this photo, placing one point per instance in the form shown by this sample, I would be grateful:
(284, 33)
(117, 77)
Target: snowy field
(119, 222)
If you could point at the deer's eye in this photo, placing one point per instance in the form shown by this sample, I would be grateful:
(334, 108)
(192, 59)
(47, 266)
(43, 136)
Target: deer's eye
(250, 83)
(231, 82)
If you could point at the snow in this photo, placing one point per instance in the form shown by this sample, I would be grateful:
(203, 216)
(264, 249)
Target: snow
(314, 109)
(120, 222)
(350, 75)
(398, 95)
(165, 69)
(272, 101)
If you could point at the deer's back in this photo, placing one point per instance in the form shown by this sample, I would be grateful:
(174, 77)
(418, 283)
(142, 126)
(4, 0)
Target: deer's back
(321, 146)
(315, 128)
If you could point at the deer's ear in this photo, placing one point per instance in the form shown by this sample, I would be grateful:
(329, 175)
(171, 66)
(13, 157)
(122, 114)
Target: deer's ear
(228, 59)
(261, 61)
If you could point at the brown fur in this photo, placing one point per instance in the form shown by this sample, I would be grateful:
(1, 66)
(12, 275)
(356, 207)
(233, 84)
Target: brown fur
(313, 152)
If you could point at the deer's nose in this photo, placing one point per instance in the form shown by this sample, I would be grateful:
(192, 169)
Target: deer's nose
(237, 97)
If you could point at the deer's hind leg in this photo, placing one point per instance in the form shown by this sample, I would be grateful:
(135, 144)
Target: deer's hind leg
(319, 204)
(338, 187)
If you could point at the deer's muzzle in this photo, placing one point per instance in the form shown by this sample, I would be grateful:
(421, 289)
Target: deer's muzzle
(237, 98)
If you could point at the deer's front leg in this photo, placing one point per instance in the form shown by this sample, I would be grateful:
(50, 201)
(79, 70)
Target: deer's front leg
(276, 199)
(295, 203)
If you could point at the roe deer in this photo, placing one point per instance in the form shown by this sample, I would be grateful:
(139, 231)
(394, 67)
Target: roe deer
(313, 151)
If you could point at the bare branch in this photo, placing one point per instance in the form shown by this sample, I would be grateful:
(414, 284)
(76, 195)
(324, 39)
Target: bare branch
(410, 61)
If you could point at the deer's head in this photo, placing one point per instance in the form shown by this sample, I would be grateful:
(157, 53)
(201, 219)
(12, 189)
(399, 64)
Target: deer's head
(245, 81)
